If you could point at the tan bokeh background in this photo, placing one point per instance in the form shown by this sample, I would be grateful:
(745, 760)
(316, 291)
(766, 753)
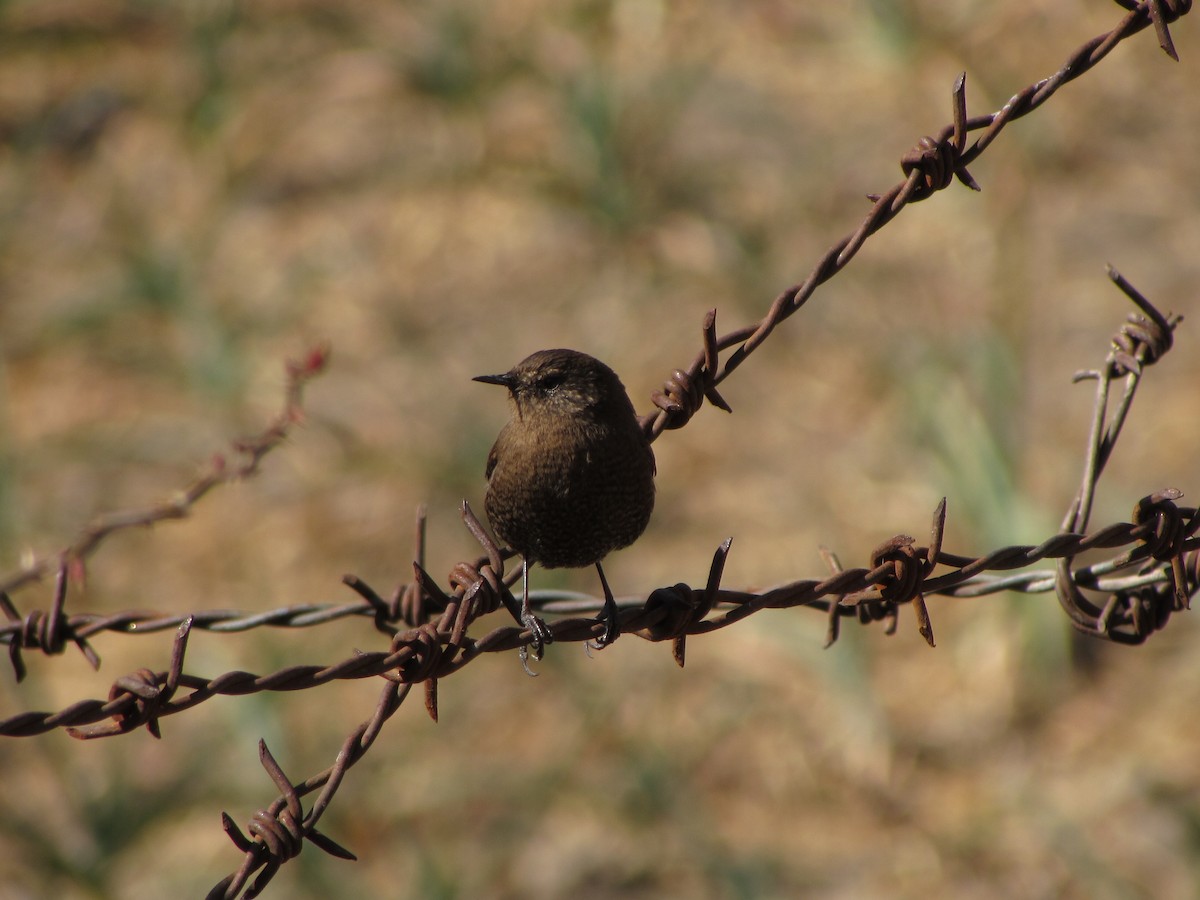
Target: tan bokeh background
(191, 194)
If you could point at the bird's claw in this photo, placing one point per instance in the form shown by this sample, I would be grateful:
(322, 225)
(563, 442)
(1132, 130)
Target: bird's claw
(539, 636)
(612, 629)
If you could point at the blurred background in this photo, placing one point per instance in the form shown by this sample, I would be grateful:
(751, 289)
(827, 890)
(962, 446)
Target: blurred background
(192, 193)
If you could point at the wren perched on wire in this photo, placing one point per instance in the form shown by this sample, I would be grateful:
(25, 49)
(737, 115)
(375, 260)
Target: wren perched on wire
(571, 476)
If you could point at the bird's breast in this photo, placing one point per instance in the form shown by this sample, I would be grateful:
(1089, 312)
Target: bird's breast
(567, 496)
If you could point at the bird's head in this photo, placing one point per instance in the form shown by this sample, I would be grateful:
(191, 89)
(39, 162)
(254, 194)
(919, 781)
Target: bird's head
(561, 383)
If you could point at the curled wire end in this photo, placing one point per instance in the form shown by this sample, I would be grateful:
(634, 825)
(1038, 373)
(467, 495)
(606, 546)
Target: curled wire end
(1131, 617)
(47, 631)
(903, 583)
(274, 838)
(1143, 339)
(1167, 542)
(425, 654)
(146, 693)
(681, 605)
(142, 695)
(482, 582)
(937, 163)
(682, 395)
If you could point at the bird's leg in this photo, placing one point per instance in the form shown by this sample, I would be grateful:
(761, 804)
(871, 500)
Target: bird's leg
(608, 615)
(539, 634)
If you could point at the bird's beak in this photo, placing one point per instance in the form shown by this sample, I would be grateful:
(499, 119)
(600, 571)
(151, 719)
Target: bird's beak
(507, 379)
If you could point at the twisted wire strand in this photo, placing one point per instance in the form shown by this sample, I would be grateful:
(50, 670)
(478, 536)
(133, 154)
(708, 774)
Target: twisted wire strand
(899, 571)
(932, 165)
(1161, 539)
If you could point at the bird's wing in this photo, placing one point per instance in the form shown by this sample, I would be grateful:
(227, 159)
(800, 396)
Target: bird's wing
(491, 462)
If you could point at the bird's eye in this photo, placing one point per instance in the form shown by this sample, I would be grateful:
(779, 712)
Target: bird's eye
(550, 381)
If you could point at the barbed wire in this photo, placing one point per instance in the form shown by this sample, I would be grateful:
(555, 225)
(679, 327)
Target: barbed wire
(49, 631)
(900, 572)
(428, 627)
(931, 166)
(81, 626)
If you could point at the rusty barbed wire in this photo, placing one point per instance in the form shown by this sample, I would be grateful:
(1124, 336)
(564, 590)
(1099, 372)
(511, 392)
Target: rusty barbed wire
(50, 632)
(1160, 542)
(1128, 616)
(932, 165)
(899, 572)
(554, 602)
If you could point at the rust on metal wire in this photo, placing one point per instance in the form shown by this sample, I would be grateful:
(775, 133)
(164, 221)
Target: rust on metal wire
(1124, 598)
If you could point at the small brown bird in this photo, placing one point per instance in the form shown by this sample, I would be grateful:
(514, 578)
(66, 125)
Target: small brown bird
(571, 476)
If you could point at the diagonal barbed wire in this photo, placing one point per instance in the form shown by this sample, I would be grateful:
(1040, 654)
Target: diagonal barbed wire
(218, 472)
(49, 631)
(932, 165)
(1155, 573)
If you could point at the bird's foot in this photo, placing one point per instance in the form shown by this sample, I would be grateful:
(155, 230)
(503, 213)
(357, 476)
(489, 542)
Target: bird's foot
(539, 636)
(612, 630)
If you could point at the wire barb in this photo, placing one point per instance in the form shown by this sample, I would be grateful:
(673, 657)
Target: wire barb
(1160, 543)
(929, 167)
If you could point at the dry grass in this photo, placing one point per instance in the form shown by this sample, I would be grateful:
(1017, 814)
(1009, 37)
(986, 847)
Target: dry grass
(190, 195)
